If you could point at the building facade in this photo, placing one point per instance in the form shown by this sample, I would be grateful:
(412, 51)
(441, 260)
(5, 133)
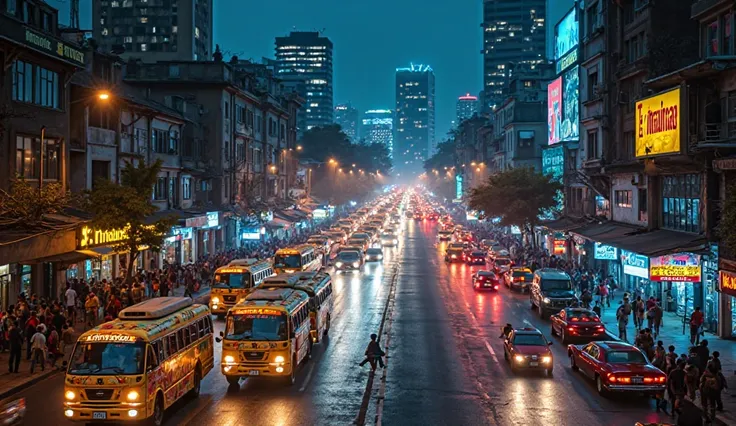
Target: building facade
(378, 127)
(155, 30)
(347, 117)
(467, 106)
(414, 134)
(304, 64)
(513, 32)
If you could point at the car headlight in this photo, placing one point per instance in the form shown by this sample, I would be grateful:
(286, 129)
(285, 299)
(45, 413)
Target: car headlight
(546, 300)
(70, 395)
(133, 396)
(356, 264)
(380, 256)
(215, 300)
(546, 359)
(519, 358)
(396, 241)
(279, 359)
(229, 359)
(338, 264)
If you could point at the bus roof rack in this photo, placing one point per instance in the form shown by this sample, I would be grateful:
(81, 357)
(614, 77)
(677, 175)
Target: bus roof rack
(271, 294)
(242, 262)
(155, 308)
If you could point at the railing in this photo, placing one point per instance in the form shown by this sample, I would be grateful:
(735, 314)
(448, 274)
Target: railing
(711, 132)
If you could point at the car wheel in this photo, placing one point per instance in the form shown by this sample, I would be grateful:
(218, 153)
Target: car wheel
(157, 418)
(599, 386)
(291, 378)
(549, 372)
(196, 389)
(573, 364)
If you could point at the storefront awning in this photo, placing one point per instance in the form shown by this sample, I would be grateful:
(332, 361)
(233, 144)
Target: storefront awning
(601, 232)
(97, 251)
(658, 243)
(278, 223)
(563, 224)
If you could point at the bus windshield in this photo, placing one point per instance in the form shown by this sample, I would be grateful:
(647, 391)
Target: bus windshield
(233, 280)
(287, 261)
(256, 327)
(107, 359)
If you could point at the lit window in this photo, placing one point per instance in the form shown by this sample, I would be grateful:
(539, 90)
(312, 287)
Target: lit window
(196, 32)
(144, 47)
(144, 19)
(174, 29)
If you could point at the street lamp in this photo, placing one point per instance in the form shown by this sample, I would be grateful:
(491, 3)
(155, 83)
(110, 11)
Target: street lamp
(103, 95)
(299, 148)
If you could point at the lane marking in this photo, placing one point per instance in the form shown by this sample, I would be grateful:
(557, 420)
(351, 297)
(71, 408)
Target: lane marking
(306, 379)
(490, 349)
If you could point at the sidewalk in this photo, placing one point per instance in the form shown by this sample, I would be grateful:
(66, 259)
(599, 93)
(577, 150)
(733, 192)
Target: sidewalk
(11, 384)
(671, 334)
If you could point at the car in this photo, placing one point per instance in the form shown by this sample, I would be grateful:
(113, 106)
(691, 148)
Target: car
(527, 348)
(373, 255)
(475, 257)
(502, 265)
(444, 235)
(454, 255)
(348, 260)
(486, 280)
(519, 279)
(455, 246)
(409, 214)
(617, 367)
(433, 217)
(577, 323)
(389, 240)
(551, 290)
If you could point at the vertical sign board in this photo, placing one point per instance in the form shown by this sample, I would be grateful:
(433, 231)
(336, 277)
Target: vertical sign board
(554, 111)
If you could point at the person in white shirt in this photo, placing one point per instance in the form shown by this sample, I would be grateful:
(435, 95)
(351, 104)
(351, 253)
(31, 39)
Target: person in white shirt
(71, 303)
(38, 346)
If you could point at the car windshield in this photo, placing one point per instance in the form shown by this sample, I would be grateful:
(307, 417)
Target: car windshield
(287, 261)
(233, 280)
(625, 357)
(374, 251)
(387, 236)
(107, 359)
(556, 285)
(256, 326)
(529, 340)
(455, 251)
(503, 262)
(526, 275)
(486, 274)
(348, 255)
(478, 254)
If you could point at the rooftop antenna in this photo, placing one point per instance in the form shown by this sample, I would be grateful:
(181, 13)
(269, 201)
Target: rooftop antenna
(74, 14)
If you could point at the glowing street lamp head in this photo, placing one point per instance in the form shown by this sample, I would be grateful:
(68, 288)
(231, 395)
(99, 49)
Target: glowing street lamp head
(333, 161)
(299, 148)
(103, 96)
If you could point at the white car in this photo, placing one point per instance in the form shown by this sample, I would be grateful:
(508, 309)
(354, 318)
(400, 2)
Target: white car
(374, 255)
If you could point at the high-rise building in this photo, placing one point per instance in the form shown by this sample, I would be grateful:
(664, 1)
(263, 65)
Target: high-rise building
(513, 33)
(414, 124)
(378, 127)
(155, 31)
(304, 63)
(347, 117)
(467, 106)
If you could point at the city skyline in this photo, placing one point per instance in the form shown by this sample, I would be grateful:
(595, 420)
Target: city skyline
(365, 60)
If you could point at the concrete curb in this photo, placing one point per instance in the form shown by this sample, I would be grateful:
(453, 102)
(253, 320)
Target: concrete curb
(28, 384)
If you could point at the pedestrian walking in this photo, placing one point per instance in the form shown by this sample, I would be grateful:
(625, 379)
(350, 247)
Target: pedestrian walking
(70, 297)
(623, 320)
(373, 353)
(30, 329)
(38, 345)
(15, 341)
(710, 389)
(656, 313)
(639, 311)
(692, 375)
(671, 359)
(677, 387)
(696, 322)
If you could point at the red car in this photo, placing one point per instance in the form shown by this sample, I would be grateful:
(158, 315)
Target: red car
(486, 280)
(527, 348)
(577, 323)
(475, 257)
(617, 367)
(433, 217)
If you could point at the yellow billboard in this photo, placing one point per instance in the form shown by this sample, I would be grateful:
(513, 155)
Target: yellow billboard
(658, 120)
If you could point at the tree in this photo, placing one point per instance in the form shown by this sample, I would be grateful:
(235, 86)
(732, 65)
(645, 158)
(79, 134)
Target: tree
(127, 205)
(26, 206)
(444, 157)
(329, 142)
(516, 196)
(727, 226)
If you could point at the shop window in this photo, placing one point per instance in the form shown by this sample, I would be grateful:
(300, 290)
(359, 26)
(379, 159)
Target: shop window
(28, 158)
(186, 188)
(681, 202)
(592, 144)
(159, 189)
(623, 198)
(711, 38)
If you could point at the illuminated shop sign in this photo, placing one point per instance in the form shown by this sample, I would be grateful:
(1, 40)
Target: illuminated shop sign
(727, 283)
(635, 264)
(554, 110)
(658, 127)
(60, 49)
(605, 252)
(675, 267)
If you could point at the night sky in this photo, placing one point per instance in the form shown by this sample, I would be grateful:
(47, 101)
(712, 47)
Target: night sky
(370, 38)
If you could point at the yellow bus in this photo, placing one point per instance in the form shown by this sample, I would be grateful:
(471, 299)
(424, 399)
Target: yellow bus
(297, 259)
(137, 366)
(267, 335)
(318, 285)
(234, 281)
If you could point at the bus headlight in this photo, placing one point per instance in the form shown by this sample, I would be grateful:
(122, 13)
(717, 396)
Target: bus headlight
(132, 413)
(279, 359)
(215, 300)
(70, 395)
(133, 396)
(229, 359)
(69, 413)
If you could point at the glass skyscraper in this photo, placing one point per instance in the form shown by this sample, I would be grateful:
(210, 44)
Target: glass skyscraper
(414, 125)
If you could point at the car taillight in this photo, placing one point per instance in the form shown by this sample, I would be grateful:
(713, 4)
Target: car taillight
(495, 287)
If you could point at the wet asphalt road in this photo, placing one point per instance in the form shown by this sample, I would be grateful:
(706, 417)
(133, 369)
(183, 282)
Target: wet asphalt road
(446, 363)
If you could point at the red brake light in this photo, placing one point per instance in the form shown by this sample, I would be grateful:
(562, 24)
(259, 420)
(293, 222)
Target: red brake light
(495, 287)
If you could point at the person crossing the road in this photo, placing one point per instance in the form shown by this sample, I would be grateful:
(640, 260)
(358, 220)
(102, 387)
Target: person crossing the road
(373, 353)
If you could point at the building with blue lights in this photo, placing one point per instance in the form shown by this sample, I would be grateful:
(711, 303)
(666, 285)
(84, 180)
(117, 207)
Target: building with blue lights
(414, 124)
(347, 117)
(304, 64)
(378, 127)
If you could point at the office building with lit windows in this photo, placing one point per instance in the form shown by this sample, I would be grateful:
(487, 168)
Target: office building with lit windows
(347, 117)
(415, 120)
(151, 31)
(467, 106)
(513, 33)
(304, 64)
(378, 127)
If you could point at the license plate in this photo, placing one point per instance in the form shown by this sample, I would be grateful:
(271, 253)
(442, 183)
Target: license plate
(637, 380)
(254, 372)
(533, 364)
(99, 415)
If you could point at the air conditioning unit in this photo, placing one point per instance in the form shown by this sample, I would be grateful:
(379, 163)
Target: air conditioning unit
(638, 180)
